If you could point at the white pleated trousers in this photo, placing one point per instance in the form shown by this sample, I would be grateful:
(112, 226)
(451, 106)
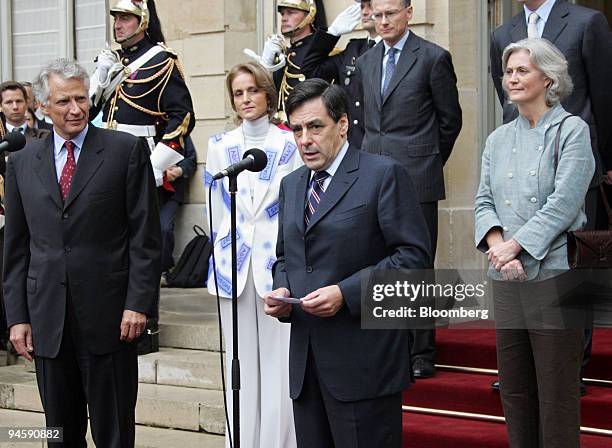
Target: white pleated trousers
(266, 411)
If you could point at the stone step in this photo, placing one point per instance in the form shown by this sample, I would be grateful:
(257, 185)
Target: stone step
(146, 436)
(188, 319)
(181, 408)
(158, 405)
(181, 367)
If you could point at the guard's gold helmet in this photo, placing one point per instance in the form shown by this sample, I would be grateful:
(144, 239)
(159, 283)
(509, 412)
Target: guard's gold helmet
(303, 5)
(137, 8)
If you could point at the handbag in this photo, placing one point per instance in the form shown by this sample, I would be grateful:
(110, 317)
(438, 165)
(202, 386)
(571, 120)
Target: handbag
(588, 248)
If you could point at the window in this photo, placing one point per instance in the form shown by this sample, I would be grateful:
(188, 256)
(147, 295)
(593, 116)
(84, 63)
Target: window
(41, 30)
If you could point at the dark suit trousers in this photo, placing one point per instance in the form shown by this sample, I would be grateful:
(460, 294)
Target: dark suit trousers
(77, 379)
(423, 342)
(322, 421)
(167, 215)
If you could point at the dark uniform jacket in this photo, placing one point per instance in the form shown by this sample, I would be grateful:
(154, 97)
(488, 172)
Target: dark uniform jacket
(163, 100)
(341, 68)
(299, 55)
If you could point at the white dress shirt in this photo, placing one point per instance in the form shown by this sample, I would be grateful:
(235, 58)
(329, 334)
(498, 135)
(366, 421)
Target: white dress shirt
(61, 153)
(10, 127)
(399, 46)
(543, 14)
(331, 170)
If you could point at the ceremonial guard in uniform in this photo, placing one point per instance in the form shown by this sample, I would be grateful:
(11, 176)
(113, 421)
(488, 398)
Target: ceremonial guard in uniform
(341, 66)
(286, 60)
(141, 87)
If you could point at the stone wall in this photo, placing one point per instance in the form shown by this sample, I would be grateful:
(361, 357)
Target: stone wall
(209, 37)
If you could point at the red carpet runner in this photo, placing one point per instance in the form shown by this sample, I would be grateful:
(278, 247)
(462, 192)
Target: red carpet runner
(471, 392)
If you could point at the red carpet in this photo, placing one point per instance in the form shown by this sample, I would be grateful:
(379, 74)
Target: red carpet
(471, 392)
(428, 431)
(476, 348)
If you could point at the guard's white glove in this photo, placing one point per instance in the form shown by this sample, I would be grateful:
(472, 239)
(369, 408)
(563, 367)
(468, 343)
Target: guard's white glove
(107, 76)
(273, 47)
(105, 62)
(346, 21)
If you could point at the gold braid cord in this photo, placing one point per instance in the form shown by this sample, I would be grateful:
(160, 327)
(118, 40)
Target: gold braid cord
(163, 74)
(180, 132)
(285, 88)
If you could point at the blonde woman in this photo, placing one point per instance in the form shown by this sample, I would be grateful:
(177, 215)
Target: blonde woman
(266, 419)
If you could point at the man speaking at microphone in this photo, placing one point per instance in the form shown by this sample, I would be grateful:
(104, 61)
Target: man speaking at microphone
(341, 213)
(82, 256)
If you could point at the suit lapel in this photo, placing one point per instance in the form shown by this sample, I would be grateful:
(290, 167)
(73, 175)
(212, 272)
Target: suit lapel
(45, 170)
(519, 27)
(301, 190)
(345, 177)
(376, 80)
(407, 59)
(90, 159)
(557, 21)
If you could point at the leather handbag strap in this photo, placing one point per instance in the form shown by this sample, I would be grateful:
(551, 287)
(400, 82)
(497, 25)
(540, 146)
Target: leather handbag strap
(604, 199)
(557, 142)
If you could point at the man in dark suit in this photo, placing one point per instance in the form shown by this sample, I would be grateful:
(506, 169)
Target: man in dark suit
(583, 36)
(82, 248)
(343, 212)
(412, 114)
(13, 106)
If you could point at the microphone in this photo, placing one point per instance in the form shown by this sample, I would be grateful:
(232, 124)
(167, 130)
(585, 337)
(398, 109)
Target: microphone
(13, 141)
(253, 160)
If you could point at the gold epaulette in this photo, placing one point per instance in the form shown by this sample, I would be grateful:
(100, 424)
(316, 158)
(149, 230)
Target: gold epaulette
(168, 49)
(336, 51)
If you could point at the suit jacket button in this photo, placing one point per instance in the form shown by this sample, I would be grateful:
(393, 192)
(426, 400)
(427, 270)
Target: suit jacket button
(355, 122)
(65, 216)
(66, 249)
(62, 283)
(309, 269)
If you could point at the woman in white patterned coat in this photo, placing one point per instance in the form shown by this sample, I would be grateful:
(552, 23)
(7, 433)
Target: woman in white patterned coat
(266, 415)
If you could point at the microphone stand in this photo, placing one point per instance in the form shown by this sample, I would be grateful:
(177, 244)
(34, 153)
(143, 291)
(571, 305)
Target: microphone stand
(233, 189)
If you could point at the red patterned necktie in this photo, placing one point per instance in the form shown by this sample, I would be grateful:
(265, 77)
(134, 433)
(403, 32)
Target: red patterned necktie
(68, 170)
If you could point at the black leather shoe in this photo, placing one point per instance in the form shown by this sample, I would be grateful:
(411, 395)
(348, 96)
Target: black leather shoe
(583, 388)
(422, 369)
(495, 385)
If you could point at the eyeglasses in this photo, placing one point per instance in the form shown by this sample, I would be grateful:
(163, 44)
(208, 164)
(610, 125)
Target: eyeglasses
(390, 15)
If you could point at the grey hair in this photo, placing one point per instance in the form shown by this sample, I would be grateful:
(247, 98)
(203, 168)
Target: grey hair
(63, 68)
(550, 61)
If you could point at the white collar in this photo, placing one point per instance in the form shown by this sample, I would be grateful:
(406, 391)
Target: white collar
(331, 170)
(543, 11)
(399, 45)
(11, 128)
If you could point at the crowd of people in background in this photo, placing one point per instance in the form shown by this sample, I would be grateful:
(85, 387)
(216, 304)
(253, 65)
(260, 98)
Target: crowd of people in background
(356, 143)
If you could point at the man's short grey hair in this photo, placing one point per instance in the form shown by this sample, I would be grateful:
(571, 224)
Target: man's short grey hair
(550, 61)
(63, 68)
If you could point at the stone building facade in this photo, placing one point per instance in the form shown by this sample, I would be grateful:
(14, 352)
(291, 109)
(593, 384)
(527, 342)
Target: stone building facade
(209, 36)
